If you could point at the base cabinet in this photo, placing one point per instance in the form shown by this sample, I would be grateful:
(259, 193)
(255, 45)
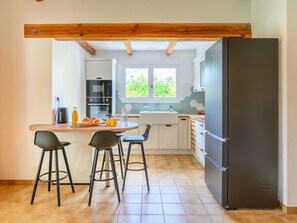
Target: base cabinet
(200, 142)
(153, 140)
(183, 133)
(168, 137)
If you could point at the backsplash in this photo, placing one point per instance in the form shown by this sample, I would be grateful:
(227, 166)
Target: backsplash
(190, 105)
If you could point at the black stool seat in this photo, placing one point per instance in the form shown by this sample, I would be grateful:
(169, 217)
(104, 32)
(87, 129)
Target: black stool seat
(134, 139)
(103, 141)
(49, 142)
(137, 139)
(120, 134)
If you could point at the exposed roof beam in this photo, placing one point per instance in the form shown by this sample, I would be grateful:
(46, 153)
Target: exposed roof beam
(137, 31)
(128, 47)
(170, 47)
(87, 47)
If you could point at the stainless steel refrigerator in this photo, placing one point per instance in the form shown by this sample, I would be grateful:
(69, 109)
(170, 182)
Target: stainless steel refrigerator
(241, 122)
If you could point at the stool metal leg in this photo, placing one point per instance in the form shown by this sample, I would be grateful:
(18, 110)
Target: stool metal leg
(122, 151)
(50, 170)
(93, 166)
(126, 167)
(57, 177)
(114, 174)
(68, 169)
(145, 166)
(120, 159)
(37, 177)
(103, 161)
(93, 176)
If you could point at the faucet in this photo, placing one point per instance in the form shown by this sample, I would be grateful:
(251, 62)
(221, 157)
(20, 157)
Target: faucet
(157, 107)
(170, 109)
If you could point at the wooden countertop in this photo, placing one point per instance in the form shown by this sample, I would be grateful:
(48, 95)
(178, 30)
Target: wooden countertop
(68, 128)
(200, 118)
(137, 115)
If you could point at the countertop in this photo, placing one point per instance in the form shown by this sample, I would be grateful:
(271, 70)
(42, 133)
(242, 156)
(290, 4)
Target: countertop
(200, 118)
(137, 115)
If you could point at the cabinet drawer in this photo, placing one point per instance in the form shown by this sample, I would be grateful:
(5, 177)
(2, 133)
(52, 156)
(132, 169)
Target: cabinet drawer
(200, 136)
(200, 126)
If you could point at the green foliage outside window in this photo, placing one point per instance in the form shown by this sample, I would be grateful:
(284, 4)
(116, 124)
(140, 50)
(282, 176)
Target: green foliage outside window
(164, 87)
(136, 85)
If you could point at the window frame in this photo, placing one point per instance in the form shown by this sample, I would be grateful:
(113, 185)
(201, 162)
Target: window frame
(151, 98)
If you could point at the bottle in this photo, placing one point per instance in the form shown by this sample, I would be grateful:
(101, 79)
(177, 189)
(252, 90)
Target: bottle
(74, 116)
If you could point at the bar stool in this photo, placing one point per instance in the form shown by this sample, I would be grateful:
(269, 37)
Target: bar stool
(120, 155)
(103, 140)
(138, 139)
(49, 142)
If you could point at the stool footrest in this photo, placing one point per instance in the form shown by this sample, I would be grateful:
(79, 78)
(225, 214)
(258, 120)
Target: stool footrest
(137, 169)
(47, 173)
(99, 171)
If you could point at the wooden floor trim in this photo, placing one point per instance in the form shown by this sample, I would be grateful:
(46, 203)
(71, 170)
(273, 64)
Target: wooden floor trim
(289, 210)
(16, 182)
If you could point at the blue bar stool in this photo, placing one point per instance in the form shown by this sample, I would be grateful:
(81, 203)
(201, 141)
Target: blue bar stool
(138, 139)
(49, 142)
(103, 140)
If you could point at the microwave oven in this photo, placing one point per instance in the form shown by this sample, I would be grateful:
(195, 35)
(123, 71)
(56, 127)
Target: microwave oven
(99, 88)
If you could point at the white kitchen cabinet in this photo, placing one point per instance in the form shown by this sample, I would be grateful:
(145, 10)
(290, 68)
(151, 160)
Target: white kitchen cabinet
(199, 73)
(200, 142)
(183, 133)
(103, 69)
(168, 137)
(153, 140)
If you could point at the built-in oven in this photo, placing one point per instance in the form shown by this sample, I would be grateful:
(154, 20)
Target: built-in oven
(99, 88)
(99, 107)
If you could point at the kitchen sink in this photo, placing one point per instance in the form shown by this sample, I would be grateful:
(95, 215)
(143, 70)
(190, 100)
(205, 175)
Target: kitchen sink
(158, 117)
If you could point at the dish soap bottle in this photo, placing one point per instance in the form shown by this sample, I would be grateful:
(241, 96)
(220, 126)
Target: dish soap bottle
(74, 116)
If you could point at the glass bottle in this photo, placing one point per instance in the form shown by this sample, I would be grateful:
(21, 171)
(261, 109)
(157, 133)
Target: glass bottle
(74, 116)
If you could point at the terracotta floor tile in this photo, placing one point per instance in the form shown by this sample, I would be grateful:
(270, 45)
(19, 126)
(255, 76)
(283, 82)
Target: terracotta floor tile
(190, 199)
(270, 218)
(194, 209)
(290, 218)
(65, 218)
(214, 209)
(170, 199)
(152, 219)
(131, 198)
(234, 219)
(168, 189)
(176, 219)
(187, 189)
(174, 209)
(129, 218)
(128, 209)
(199, 219)
(151, 209)
(151, 198)
(207, 198)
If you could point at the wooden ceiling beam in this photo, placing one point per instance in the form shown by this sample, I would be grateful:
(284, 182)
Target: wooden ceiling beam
(137, 31)
(128, 47)
(87, 47)
(170, 47)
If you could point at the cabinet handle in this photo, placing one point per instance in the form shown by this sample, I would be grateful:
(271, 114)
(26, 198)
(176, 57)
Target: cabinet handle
(201, 133)
(98, 78)
(168, 125)
(201, 125)
(183, 119)
(201, 150)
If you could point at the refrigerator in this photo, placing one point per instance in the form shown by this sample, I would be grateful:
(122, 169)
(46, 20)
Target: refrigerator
(241, 122)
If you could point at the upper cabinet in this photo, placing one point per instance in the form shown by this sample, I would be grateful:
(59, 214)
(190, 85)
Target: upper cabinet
(101, 69)
(199, 73)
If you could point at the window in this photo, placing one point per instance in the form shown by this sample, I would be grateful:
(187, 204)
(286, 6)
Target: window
(150, 83)
(137, 82)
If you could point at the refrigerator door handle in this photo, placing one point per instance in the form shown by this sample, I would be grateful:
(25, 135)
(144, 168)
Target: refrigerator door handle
(217, 165)
(216, 137)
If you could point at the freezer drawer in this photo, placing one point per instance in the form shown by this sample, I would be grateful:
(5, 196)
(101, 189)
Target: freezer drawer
(216, 180)
(217, 149)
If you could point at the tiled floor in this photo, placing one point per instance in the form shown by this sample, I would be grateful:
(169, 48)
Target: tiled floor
(178, 195)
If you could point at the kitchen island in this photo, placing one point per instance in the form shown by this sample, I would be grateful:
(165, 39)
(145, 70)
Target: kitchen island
(79, 153)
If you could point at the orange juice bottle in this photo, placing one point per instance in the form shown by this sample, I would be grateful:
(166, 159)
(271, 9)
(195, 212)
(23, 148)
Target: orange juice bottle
(74, 116)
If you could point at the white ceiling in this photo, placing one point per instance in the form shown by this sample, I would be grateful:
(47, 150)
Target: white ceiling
(152, 45)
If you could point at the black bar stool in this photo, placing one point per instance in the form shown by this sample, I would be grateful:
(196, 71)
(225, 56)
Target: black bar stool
(49, 142)
(103, 140)
(138, 139)
(120, 155)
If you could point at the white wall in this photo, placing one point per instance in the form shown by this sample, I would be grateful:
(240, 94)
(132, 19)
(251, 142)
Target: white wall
(181, 59)
(67, 75)
(26, 64)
